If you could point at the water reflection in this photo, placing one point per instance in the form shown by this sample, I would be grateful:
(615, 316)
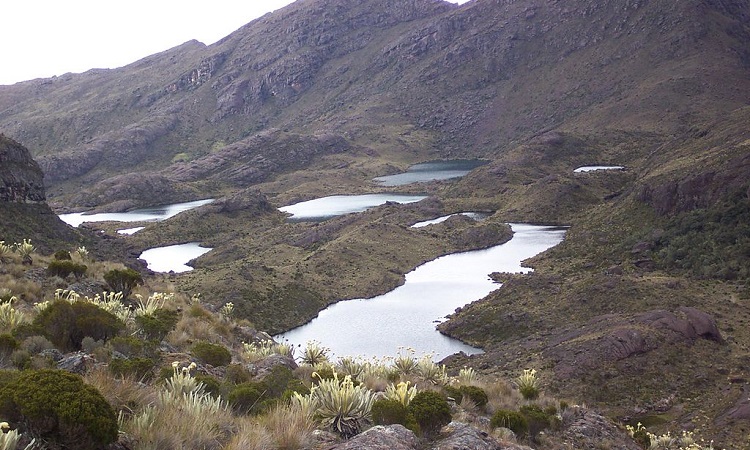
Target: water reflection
(173, 258)
(407, 315)
(472, 215)
(336, 205)
(138, 215)
(432, 171)
(593, 168)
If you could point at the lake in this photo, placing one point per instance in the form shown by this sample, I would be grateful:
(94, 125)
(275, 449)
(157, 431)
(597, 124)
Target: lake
(336, 205)
(407, 315)
(431, 171)
(593, 168)
(471, 215)
(153, 214)
(173, 258)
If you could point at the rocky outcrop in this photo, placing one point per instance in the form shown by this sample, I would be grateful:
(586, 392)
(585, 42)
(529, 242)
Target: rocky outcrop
(390, 437)
(585, 429)
(699, 190)
(615, 337)
(21, 179)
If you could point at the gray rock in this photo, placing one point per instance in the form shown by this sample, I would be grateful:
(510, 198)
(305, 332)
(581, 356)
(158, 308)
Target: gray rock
(584, 429)
(460, 436)
(265, 366)
(78, 362)
(52, 353)
(390, 437)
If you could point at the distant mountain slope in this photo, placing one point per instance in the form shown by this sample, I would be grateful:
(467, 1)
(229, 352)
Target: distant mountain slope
(471, 80)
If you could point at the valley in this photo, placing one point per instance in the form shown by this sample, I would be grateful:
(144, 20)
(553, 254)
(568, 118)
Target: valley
(641, 312)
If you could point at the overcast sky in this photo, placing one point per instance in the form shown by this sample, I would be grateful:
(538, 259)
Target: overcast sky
(42, 38)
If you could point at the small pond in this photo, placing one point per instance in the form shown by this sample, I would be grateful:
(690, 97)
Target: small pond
(593, 168)
(336, 205)
(472, 215)
(173, 258)
(407, 316)
(432, 171)
(153, 214)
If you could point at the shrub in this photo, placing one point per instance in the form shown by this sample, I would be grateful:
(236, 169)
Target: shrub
(130, 346)
(63, 268)
(157, 325)
(237, 373)
(454, 393)
(430, 410)
(279, 380)
(8, 344)
(59, 407)
(66, 324)
(215, 355)
(388, 411)
(476, 394)
(62, 255)
(138, 368)
(246, 397)
(210, 384)
(537, 419)
(512, 420)
(123, 280)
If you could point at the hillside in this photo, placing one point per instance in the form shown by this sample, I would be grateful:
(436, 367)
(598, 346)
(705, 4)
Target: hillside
(651, 283)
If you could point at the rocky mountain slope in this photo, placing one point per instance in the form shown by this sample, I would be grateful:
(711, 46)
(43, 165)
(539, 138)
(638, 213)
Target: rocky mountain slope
(411, 79)
(323, 95)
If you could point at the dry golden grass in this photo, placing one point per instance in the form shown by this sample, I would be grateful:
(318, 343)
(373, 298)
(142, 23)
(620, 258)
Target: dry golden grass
(124, 394)
(250, 436)
(288, 427)
(501, 395)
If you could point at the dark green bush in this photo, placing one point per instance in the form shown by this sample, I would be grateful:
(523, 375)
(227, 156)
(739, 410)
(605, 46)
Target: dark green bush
(236, 374)
(537, 419)
(208, 353)
(388, 412)
(476, 394)
(156, 326)
(62, 255)
(247, 397)
(430, 410)
(210, 383)
(66, 324)
(132, 347)
(63, 268)
(123, 280)
(8, 344)
(512, 420)
(139, 368)
(59, 408)
(454, 393)
(279, 380)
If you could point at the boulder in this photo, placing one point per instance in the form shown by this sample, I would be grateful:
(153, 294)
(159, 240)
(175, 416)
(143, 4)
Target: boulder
(389, 437)
(460, 436)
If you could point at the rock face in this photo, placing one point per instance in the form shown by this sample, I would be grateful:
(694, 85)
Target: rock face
(390, 437)
(614, 337)
(21, 179)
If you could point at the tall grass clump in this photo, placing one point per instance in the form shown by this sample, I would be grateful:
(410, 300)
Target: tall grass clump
(184, 416)
(338, 404)
(9, 316)
(314, 354)
(528, 384)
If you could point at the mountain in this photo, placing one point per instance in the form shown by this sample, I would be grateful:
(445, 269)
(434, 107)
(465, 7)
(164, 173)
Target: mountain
(323, 95)
(406, 80)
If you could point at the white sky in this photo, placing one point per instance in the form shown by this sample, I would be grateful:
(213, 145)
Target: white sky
(42, 38)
